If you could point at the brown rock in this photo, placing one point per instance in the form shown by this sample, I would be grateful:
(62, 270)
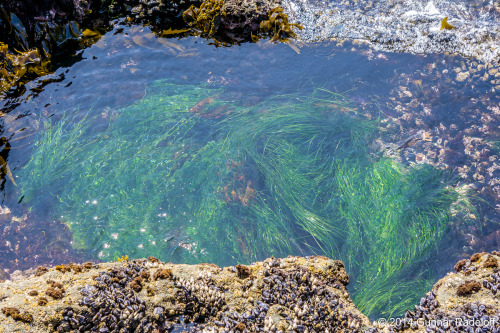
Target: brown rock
(154, 260)
(136, 284)
(76, 268)
(240, 327)
(63, 268)
(87, 265)
(55, 292)
(7, 311)
(16, 314)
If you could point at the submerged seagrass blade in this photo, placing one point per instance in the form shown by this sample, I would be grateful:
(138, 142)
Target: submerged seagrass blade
(6, 170)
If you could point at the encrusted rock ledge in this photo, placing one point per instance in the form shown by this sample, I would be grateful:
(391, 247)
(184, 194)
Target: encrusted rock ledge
(293, 294)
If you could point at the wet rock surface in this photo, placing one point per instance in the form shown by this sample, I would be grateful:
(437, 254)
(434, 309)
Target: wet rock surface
(290, 294)
(293, 294)
(404, 26)
(458, 302)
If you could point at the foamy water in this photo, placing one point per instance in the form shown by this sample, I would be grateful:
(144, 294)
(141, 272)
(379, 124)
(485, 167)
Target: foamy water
(405, 26)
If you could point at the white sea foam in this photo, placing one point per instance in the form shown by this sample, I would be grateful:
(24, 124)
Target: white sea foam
(404, 26)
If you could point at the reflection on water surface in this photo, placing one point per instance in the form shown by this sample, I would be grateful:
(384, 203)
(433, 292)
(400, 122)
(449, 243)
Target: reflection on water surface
(195, 153)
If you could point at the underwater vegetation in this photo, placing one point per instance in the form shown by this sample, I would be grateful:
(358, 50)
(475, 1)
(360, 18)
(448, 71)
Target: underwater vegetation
(188, 174)
(394, 219)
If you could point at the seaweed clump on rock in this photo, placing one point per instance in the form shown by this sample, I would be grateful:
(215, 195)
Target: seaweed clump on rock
(205, 18)
(235, 21)
(16, 315)
(19, 66)
(278, 27)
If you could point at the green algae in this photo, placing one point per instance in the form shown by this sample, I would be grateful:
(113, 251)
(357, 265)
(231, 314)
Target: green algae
(402, 215)
(189, 175)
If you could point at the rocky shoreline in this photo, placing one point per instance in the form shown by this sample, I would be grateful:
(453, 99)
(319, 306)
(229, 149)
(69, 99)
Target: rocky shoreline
(409, 26)
(36, 36)
(293, 294)
(147, 295)
(43, 30)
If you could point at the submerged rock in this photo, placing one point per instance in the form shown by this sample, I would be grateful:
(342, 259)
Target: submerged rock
(293, 294)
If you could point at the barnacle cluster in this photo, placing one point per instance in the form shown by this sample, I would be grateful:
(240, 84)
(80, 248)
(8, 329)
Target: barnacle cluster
(110, 305)
(292, 300)
(287, 297)
(467, 312)
(464, 321)
(113, 303)
(492, 283)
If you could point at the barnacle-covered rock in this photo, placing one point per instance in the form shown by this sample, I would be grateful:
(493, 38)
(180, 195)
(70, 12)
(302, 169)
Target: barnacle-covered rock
(276, 293)
(292, 294)
(462, 301)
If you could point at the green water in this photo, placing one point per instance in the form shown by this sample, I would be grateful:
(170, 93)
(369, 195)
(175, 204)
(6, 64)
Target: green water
(193, 174)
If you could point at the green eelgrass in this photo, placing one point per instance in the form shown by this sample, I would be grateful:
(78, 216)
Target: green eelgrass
(402, 214)
(226, 183)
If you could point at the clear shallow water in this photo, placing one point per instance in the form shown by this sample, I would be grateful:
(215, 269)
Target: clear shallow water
(121, 90)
